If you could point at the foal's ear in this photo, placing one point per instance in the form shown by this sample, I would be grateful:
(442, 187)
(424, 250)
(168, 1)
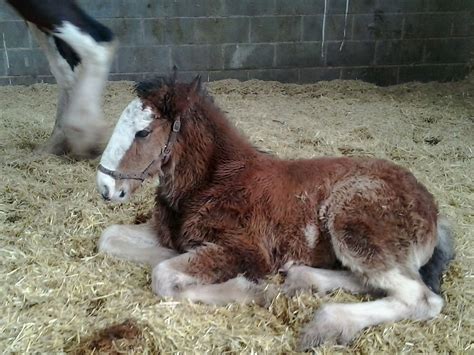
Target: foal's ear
(196, 85)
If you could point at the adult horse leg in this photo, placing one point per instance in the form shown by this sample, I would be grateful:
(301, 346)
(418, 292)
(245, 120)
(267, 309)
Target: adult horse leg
(209, 274)
(65, 78)
(84, 127)
(134, 242)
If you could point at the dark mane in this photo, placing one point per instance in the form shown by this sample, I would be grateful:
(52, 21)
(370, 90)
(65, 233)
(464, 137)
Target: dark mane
(144, 88)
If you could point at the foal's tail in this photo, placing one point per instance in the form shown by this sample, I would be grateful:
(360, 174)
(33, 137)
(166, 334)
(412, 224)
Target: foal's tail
(443, 253)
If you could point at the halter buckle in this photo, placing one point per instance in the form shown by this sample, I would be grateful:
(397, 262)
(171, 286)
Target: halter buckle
(177, 126)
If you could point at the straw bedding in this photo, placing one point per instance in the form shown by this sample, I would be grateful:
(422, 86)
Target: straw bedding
(58, 295)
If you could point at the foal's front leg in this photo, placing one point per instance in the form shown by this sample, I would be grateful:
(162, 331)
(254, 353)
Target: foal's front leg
(134, 242)
(210, 274)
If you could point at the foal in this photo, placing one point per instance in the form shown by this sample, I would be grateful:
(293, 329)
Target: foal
(227, 215)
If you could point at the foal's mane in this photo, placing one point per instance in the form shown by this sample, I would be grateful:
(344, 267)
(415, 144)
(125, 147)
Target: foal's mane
(190, 100)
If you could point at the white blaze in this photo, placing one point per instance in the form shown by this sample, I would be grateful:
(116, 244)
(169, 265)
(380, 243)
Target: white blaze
(133, 119)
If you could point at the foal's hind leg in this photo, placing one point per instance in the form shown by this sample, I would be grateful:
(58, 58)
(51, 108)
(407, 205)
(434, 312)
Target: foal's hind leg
(132, 242)
(372, 236)
(408, 298)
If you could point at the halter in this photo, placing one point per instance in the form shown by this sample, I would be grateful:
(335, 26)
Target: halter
(164, 157)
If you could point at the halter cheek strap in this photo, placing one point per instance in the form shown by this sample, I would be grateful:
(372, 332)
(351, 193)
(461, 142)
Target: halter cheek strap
(163, 157)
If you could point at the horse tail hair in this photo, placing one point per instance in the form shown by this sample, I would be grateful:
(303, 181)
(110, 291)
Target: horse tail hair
(443, 253)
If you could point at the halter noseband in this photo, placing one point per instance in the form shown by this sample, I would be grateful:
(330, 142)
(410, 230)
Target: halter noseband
(164, 157)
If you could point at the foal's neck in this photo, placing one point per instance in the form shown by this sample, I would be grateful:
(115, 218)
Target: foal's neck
(210, 143)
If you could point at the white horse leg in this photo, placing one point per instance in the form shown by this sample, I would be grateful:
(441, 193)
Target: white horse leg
(238, 290)
(301, 277)
(134, 242)
(65, 78)
(408, 298)
(83, 122)
(169, 279)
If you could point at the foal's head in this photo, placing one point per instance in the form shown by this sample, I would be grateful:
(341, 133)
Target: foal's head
(146, 133)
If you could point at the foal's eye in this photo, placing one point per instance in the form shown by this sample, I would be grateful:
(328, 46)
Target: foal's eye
(142, 133)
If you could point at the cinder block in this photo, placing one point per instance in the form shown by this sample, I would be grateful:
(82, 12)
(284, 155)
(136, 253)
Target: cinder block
(241, 75)
(448, 50)
(335, 26)
(188, 76)
(376, 26)
(143, 8)
(128, 77)
(451, 5)
(128, 31)
(299, 7)
(382, 76)
(221, 30)
(173, 31)
(198, 57)
(462, 23)
(248, 56)
(312, 27)
(275, 29)
(388, 52)
(427, 25)
(19, 80)
(313, 75)
(193, 8)
(426, 73)
(7, 12)
(143, 59)
(353, 53)
(5, 81)
(26, 62)
(281, 75)
(15, 34)
(336, 6)
(411, 52)
(248, 7)
(102, 8)
(298, 55)
(155, 31)
(402, 6)
(364, 6)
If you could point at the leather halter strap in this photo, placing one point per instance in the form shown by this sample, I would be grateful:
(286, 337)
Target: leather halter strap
(163, 157)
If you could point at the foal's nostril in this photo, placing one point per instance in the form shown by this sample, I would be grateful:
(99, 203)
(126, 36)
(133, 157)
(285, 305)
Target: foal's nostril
(105, 193)
(122, 194)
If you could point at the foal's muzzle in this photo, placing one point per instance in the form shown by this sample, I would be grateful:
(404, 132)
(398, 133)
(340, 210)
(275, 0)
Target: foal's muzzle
(113, 190)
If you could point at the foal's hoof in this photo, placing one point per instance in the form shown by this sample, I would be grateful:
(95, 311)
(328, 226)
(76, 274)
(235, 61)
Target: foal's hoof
(86, 142)
(167, 282)
(329, 326)
(296, 281)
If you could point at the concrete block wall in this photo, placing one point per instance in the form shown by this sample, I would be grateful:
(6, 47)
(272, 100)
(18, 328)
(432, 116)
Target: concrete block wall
(303, 41)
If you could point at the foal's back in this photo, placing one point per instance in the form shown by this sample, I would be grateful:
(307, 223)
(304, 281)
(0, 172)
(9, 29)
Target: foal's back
(315, 207)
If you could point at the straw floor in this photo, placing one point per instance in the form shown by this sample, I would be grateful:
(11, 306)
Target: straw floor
(58, 295)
